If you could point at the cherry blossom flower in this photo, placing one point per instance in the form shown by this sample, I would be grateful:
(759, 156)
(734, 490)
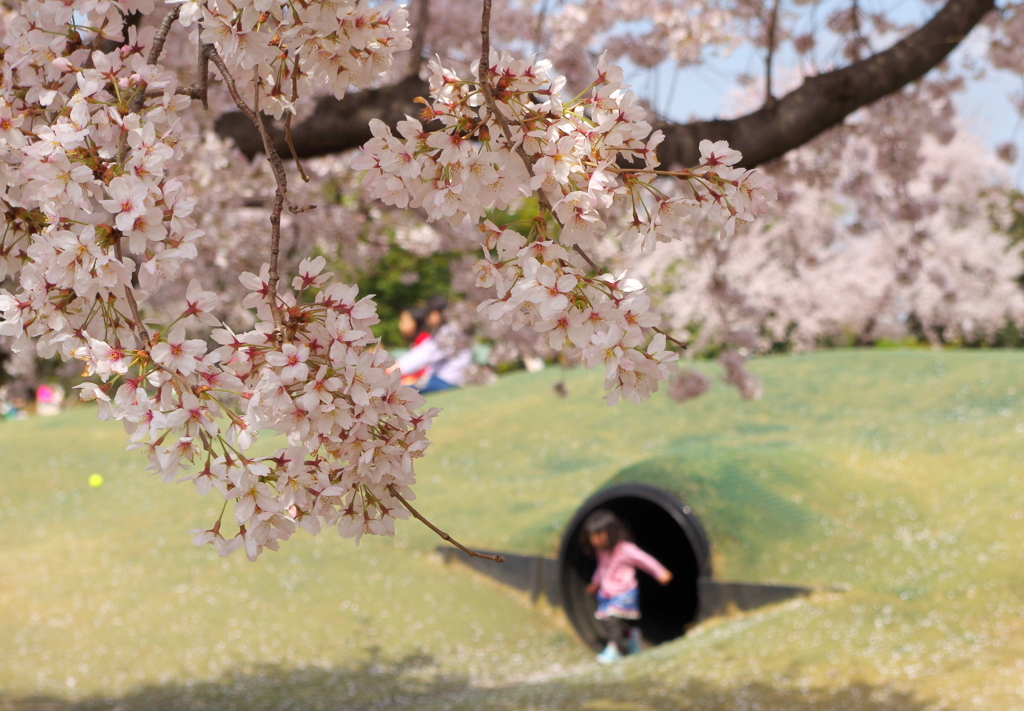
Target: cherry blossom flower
(178, 354)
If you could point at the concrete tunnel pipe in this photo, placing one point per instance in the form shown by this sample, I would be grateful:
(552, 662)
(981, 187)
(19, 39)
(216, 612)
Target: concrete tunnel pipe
(663, 526)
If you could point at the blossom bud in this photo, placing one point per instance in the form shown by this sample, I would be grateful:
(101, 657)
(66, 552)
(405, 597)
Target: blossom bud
(106, 236)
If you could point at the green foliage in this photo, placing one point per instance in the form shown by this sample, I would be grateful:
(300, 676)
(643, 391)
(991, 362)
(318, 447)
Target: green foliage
(1015, 201)
(900, 344)
(402, 279)
(519, 217)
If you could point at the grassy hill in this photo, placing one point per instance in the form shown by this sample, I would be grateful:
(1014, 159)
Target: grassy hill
(896, 472)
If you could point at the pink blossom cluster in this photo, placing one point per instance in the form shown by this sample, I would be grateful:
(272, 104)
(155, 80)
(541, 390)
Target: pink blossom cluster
(285, 50)
(352, 428)
(571, 153)
(600, 319)
(94, 223)
(587, 159)
(88, 201)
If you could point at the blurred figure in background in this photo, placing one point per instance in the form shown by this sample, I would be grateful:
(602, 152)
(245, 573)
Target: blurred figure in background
(49, 400)
(440, 361)
(10, 407)
(412, 323)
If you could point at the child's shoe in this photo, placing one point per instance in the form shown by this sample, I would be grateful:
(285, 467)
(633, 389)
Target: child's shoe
(635, 642)
(609, 655)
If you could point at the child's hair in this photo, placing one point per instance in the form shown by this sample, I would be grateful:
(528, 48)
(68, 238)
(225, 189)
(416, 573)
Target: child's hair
(419, 315)
(435, 307)
(603, 520)
(437, 302)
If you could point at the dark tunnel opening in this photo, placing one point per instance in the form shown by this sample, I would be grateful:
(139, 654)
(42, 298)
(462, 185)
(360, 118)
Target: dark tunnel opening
(663, 526)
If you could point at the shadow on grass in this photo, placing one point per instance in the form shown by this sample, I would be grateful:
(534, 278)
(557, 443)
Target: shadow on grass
(699, 695)
(373, 684)
(412, 683)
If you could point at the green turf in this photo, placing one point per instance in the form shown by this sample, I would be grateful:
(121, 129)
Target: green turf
(102, 594)
(894, 472)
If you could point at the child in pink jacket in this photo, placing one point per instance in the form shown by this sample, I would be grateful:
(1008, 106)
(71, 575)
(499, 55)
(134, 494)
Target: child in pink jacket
(614, 582)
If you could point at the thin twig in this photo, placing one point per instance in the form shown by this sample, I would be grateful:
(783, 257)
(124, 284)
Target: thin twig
(485, 50)
(200, 87)
(483, 78)
(139, 99)
(444, 536)
(579, 250)
(135, 105)
(203, 71)
(280, 177)
(862, 41)
(280, 198)
(539, 32)
(288, 122)
(132, 303)
(679, 343)
(161, 34)
(653, 171)
(291, 146)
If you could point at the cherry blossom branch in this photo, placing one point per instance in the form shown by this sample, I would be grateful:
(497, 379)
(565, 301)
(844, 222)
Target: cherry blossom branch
(161, 34)
(484, 80)
(199, 89)
(280, 177)
(822, 102)
(545, 279)
(444, 536)
(154, 54)
(683, 345)
(485, 86)
(130, 296)
(135, 106)
(125, 195)
(578, 250)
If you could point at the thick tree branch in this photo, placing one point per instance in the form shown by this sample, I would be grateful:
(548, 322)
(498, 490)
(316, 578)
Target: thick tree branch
(769, 97)
(334, 126)
(822, 102)
(419, 36)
